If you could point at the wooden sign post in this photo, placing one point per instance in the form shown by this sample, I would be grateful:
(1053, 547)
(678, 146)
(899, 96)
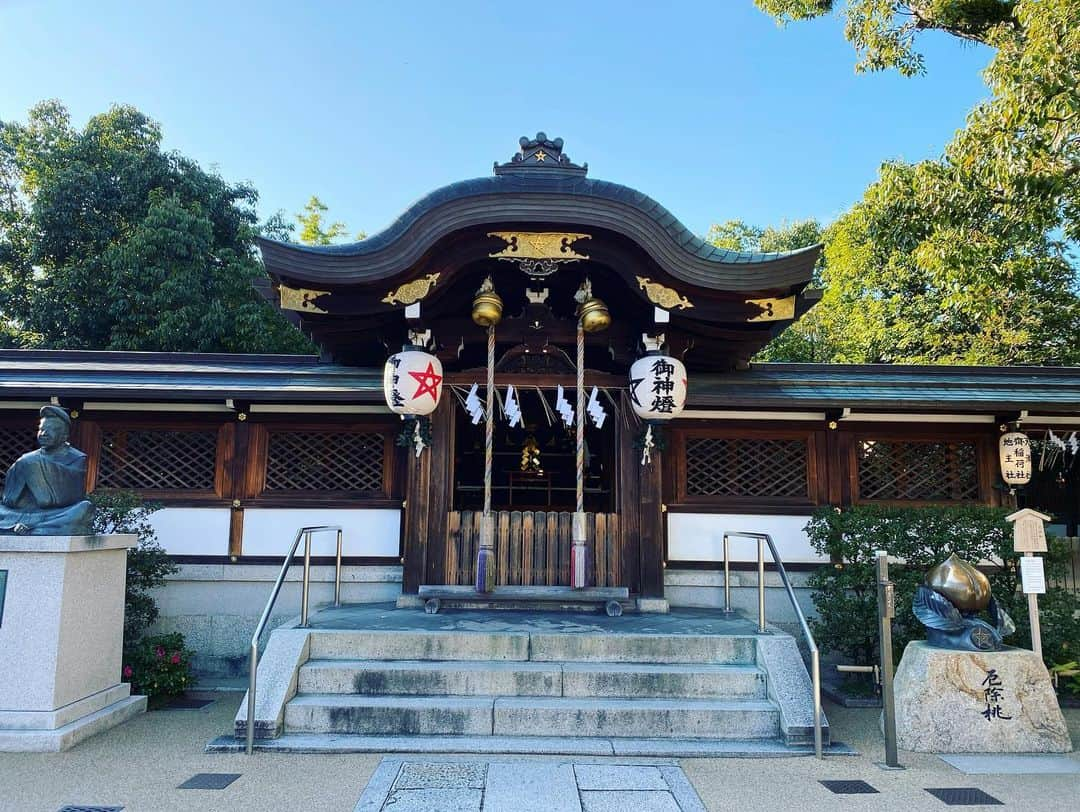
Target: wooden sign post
(1029, 537)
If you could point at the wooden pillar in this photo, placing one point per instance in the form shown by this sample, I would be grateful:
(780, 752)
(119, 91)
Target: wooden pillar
(440, 486)
(641, 516)
(651, 526)
(415, 519)
(428, 497)
(627, 463)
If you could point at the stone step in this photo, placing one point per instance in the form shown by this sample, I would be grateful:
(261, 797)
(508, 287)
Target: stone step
(434, 678)
(668, 680)
(430, 678)
(655, 718)
(525, 716)
(380, 644)
(526, 745)
(536, 646)
(642, 648)
(402, 715)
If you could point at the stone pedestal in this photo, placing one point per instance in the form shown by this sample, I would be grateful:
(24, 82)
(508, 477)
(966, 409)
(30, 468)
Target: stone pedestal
(61, 625)
(976, 702)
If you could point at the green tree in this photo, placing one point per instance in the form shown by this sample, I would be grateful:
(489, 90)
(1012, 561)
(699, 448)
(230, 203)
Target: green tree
(806, 340)
(312, 230)
(107, 242)
(967, 258)
(883, 32)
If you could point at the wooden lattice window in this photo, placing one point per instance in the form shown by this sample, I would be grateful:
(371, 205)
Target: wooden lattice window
(741, 467)
(14, 442)
(325, 461)
(917, 471)
(158, 459)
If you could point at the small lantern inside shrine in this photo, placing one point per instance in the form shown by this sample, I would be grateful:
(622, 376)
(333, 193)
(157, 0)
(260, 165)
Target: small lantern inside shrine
(412, 382)
(657, 386)
(1015, 456)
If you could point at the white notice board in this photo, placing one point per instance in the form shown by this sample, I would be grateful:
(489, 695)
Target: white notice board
(1032, 575)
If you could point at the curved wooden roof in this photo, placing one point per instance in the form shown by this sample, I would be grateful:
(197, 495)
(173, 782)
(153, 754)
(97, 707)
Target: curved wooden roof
(541, 185)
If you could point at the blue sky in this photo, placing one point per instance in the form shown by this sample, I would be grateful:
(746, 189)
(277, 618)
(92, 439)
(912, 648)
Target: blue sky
(707, 106)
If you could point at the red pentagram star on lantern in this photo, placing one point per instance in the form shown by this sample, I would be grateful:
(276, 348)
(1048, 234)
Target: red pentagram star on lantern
(428, 383)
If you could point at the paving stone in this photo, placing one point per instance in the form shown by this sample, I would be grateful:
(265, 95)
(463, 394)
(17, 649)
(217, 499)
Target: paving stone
(1012, 764)
(441, 775)
(434, 800)
(638, 801)
(519, 785)
(618, 777)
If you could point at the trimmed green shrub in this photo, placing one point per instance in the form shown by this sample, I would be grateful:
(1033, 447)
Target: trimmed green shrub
(845, 592)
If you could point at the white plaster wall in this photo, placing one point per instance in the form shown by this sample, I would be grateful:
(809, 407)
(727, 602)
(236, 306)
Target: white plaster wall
(192, 531)
(700, 537)
(270, 531)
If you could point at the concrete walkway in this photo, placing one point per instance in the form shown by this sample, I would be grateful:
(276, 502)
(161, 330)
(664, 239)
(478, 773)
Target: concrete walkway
(143, 764)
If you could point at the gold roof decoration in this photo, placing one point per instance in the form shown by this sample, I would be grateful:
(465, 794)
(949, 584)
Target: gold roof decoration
(662, 296)
(412, 291)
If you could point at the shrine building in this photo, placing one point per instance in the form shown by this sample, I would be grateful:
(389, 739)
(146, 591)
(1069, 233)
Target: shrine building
(242, 450)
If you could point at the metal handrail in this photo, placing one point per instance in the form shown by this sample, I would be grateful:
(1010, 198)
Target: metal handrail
(815, 657)
(253, 664)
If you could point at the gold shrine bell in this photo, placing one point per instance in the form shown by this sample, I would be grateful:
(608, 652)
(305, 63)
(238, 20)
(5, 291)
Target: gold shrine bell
(594, 314)
(487, 305)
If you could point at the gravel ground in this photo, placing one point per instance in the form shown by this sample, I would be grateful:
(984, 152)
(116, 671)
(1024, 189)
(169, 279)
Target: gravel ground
(141, 764)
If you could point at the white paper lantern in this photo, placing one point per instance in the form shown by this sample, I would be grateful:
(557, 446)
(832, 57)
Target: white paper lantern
(412, 382)
(1015, 455)
(657, 387)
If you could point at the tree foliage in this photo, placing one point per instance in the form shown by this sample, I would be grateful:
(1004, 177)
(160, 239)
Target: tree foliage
(312, 230)
(967, 258)
(805, 341)
(883, 32)
(108, 242)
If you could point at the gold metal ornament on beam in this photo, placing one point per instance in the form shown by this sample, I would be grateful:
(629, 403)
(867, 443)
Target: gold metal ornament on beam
(594, 314)
(412, 292)
(300, 299)
(487, 305)
(773, 309)
(556, 245)
(662, 296)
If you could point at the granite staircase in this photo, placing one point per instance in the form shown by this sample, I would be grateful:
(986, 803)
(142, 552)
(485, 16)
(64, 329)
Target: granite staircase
(491, 691)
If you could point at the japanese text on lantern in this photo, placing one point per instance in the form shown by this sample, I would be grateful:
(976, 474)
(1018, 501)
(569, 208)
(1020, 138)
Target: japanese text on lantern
(395, 395)
(663, 386)
(993, 692)
(1016, 458)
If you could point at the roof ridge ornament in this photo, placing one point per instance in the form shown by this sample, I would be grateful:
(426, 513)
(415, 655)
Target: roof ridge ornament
(541, 154)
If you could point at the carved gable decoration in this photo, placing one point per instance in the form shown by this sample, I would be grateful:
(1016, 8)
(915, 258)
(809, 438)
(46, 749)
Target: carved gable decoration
(541, 154)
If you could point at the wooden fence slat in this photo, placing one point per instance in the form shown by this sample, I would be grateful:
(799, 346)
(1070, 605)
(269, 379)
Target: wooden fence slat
(513, 567)
(614, 573)
(539, 550)
(565, 531)
(598, 524)
(453, 545)
(528, 539)
(502, 545)
(551, 568)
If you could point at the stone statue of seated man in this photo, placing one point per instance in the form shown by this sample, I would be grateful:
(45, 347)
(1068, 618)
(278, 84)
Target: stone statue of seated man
(45, 490)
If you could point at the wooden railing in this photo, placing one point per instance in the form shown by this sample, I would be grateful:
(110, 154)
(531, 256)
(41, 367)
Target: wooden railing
(532, 548)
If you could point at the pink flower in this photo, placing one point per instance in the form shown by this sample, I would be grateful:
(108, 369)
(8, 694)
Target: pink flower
(175, 659)
(160, 652)
(128, 672)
